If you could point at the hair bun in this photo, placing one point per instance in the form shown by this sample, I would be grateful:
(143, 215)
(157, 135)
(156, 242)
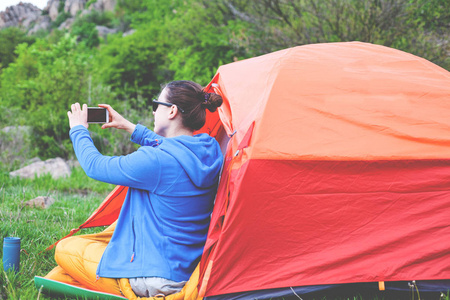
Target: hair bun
(212, 101)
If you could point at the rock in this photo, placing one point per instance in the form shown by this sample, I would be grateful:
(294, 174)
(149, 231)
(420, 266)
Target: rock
(52, 9)
(34, 160)
(74, 6)
(56, 167)
(20, 15)
(33, 19)
(73, 163)
(129, 32)
(42, 23)
(66, 24)
(40, 201)
(103, 5)
(30, 20)
(103, 31)
(17, 130)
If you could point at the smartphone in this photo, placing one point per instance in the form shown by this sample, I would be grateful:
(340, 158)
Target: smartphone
(97, 115)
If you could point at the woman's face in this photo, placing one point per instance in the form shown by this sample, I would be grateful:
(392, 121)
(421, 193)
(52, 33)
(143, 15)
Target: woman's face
(161, 115)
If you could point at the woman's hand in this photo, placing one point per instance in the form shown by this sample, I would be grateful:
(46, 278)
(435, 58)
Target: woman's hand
(117, 121)
(78, 115)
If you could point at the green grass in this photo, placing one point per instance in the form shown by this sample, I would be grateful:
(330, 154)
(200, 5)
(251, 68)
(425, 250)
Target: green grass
(76, 198)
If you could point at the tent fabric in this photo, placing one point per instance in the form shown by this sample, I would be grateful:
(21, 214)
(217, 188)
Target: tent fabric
(342, 173)
(106, 214)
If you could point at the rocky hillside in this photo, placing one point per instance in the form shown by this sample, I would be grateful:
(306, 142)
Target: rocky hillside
(33, 19)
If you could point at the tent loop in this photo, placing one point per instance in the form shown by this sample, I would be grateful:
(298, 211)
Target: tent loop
(234, 132)
(295, 293)
(237, 152)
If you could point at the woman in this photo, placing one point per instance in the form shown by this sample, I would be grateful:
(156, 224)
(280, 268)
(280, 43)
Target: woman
(172, 180)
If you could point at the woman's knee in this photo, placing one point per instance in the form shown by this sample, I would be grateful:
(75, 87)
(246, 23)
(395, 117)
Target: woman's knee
(79, 248)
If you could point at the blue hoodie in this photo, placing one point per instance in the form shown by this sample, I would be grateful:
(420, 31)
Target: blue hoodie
(164, 220)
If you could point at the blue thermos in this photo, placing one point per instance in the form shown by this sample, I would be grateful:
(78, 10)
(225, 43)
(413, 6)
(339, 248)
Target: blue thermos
(11, 253)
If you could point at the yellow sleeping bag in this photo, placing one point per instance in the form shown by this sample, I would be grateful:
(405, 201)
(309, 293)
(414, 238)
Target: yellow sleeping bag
(79, 256)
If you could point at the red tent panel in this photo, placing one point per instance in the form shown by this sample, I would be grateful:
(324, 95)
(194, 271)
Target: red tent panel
(106, 214)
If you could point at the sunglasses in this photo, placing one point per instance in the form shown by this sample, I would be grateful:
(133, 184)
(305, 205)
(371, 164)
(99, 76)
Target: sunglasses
(155, 104)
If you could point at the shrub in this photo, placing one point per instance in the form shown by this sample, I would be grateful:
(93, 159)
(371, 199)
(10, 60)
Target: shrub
(86, 33)
(9, 39)
(43, 82)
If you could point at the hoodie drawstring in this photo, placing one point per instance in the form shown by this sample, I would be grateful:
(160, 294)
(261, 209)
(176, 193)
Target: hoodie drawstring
(134, 240)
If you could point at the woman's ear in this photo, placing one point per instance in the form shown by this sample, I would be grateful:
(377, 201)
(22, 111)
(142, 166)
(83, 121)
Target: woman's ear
(173, 112)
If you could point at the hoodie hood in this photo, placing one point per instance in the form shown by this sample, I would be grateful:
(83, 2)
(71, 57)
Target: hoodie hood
(199, 155)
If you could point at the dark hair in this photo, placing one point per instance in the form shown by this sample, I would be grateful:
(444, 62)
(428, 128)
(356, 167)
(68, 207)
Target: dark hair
(191, 97)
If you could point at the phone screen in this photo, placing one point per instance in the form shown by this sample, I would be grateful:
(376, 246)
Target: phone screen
(97, 115)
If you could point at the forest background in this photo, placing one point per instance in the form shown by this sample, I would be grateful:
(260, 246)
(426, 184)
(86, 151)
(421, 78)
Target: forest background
(42, 74)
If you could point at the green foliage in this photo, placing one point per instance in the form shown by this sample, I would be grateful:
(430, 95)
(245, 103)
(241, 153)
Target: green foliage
(44, 81)
(272, 25)
(90, 2)
(55, 36)
(86, 33)
(173, 40)
(84, 27)
(431, 37)
(96, 17)
(61, 6)
(124, 9)
(10, 37)
(200, 46)
(432, 14)
(38, 89)
(62, 16)
(133, 65)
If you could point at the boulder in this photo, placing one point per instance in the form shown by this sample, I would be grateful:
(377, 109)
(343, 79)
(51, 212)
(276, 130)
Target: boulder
(34, 160)
(17, 130)
(129, 32)
(29, 20)
(103, 31)
(66, 24)
(41, 23)
(56, 167)
(103, 5)
(74, 6)
(33, 19)
(52, 9)
(41, 201)
(20, 15)
(73, 163)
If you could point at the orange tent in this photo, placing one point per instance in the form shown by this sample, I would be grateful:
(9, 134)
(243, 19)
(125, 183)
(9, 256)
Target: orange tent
(336, 171)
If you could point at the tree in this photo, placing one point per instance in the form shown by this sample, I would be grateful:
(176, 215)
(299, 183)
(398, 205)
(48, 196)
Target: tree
(44, 81)
(277, 24)
(10, 37)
